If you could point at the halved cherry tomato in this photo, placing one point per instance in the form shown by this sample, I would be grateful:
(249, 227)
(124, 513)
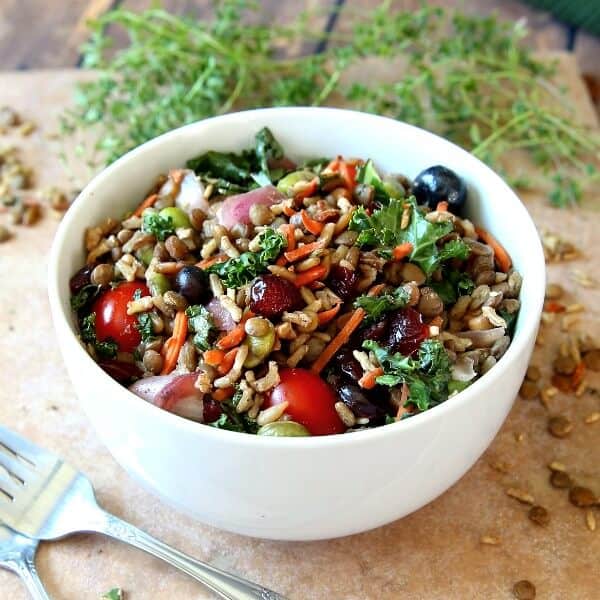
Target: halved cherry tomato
(310, 401)
(112, 320)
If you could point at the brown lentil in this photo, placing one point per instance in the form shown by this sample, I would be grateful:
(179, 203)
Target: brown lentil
(533, 373)
(197, 218)
(175, 247)
(430, 304)
(411, 272)
(524, 590)
(153, 361)
(32, 214)
(582, 497)
(175, 300)
(564, 365)
(539, 515)
(102, 275)
(560, 480)
(554, 291)
(560, 426)
(4, 234)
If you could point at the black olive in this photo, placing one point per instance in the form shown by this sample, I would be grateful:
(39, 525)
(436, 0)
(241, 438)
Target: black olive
(192, 283)
(437, 184)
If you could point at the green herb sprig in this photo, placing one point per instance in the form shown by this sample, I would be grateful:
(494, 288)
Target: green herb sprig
(468, 78)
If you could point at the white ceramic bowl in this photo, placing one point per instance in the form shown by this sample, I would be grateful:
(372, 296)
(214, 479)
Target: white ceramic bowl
(299, 488)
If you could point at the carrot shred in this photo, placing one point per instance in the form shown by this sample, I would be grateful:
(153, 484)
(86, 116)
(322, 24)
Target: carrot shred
(326, 316)
(302, 251)
(288, 211)
(311, 225)
(578, 374)
(502, 257)
(376, 289)
(214, 357)
(436, 322)
(313, 274)
(228, 360)
(232, 338)
(554, 307)
(212, 260)
(289, 231)
(402, 250)
(223, 393)
(174, 344)
(442, 206)
(309, 190)
(369, 380)
(147, 203)
(348, 173)
(339, 340)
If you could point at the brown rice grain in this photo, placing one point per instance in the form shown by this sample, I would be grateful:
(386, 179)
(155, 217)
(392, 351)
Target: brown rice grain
(592, 418)
(271, 414)
(345, 414)
(590, 520)
(270, 380)
(307, 263)
(489, 540)
(557, 466)
(285, 331)
(281, 272)
(520, 495)
(297, 356)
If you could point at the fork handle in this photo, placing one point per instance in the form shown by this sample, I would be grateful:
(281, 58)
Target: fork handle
(223, 584)
(25, 569)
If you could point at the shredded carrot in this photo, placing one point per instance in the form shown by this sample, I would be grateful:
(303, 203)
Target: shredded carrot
(290, 236)
(177, 176)
(376, 289)
(436, 322)
(228, 360)
(232, 338)
(214, 357)
(311, 225)
(288, 211)
(212, 260)
(308, 190)
(326, 316)
(334, 165)
(552, 306)
(302, 251)
(442, 206)
(175, 342)
(369, 380)
(402, 250)
(578, 374)
(310, 275)
(147, 203)
(223, 393)
(339, 340)
(501, 255)
(348, 173)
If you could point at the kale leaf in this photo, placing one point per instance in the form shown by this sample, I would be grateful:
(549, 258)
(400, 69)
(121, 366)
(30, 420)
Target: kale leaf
(375, 306)
(159, 226)
(201, 323)
(236, 272)
(454, 249)
(87, 330)
(231, 420)
(235, 168)
(367, 174)
(427, 376)
(114, 594)
(84, 296)
(511, 320)
(145, 327)
(454, 284)
(267, 148)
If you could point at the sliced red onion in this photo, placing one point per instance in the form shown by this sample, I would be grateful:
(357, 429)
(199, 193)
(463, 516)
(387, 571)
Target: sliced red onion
(236, 209)
(149, 387)
(483, 338)
(221, 317)
(191, 194)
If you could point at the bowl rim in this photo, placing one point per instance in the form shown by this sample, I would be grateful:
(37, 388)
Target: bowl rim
(458, 402)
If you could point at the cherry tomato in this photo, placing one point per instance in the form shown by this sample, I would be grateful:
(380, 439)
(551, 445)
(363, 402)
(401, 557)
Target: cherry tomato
(112, 320)
(310, 401)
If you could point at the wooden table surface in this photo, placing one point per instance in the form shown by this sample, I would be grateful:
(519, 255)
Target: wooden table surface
(434, 553)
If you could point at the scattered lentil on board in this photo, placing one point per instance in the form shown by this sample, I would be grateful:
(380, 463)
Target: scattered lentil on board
(529, 390)
(582, 497)
(560, 426)
(560, 480)
(524, 590)
(539, 515)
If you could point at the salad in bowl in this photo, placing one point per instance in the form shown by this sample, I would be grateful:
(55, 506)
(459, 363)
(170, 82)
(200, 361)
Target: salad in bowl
(250, 293)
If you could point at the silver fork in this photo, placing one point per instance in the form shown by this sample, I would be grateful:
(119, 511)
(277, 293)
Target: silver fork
(17, 554)
(45, 498)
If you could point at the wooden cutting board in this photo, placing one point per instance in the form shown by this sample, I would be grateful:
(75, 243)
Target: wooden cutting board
(434, 553)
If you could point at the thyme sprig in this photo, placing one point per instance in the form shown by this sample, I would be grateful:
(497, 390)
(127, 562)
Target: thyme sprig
(468, 78)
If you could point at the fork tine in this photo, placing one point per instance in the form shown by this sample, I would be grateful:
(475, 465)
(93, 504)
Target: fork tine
(24, 448)
(15, 466)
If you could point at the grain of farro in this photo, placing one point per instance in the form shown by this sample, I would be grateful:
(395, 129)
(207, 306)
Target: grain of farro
(271, 414)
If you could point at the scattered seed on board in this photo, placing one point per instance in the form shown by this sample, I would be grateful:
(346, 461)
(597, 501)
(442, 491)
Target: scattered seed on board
(539, 515)
(520, 495)
(592, 418)
(565, 365)
(582, 497)
(590, 519)
(4, 234)
(591, 360)
(557, 466)
(560, 426)
(529, 390)
(554, 291)
(560, 480)
(524, 590)
(533, 373)
(501, 466)
(489, 540)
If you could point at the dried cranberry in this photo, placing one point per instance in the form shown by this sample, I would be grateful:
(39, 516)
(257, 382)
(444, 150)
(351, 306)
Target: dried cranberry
(406, 331)
(81, 279)
(212, 410)
(356, 400)
(376, 331)
(270, 296)
(343, 281)
(345, 363)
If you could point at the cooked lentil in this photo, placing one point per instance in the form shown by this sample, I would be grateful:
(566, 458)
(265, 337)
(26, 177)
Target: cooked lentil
(539, 515)
(560, 480)
(524, 590)
(560, 426)
(582, 497)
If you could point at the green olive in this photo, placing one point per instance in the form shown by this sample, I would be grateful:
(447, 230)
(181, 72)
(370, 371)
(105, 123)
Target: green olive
(286, 184)
(145, 255)
(259, 348)
(158, 284)
(283, 429)
(178, 217)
